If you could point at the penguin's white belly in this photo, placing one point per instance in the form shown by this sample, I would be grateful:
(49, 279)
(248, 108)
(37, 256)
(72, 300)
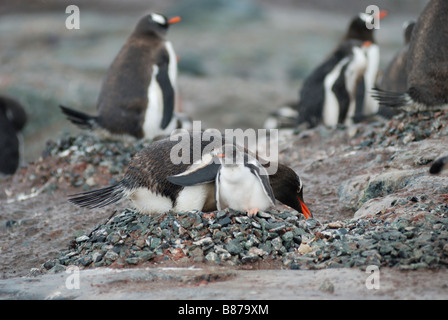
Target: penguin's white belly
(172, 67)
(154, 110)
(194, 197)
(148, 202)
(190, 198)
(371, 105)
(355, 70)
(239, 189)
(330, 112)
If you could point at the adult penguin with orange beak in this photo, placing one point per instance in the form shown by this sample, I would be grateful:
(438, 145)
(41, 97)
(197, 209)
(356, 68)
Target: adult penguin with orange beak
(362, 28)
(138, 92)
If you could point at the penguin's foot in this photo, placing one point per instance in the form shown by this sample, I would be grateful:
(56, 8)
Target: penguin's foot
(252, 212)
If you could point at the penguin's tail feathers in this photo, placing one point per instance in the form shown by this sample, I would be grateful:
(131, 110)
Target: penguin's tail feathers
(99, 198)
(82, 120)
(391, 99)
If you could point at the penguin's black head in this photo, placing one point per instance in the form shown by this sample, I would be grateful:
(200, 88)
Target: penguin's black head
(288, 189)
(155, 23)
(408, 28)
(14, 112)
(358, 26)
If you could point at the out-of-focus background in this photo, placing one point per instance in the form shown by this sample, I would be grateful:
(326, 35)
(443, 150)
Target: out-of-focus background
(239, 59)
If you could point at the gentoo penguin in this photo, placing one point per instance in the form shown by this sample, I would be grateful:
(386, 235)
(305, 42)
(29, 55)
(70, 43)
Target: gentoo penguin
(328, 93)
(241, 182)
(12, 120)
(359, 30)
(137, 96)
(145, 181)
(439, 165)
(427, 64)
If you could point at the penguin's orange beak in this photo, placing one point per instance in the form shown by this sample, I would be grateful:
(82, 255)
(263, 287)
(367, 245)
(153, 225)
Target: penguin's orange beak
(367, 44)
(383, 14)
(221, 155)
(306, 212)
(174, 20)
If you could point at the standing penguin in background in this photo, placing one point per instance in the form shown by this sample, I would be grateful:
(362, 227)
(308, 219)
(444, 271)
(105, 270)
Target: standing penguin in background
(12, 120)
(138, 92)
(358, 30)
(328, 93)
(427, 64)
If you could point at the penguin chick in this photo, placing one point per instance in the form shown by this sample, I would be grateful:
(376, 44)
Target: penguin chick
(242, 183)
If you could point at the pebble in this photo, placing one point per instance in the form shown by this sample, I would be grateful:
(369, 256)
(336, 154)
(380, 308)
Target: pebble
(305, 248)
(327, 286)
(82, 238)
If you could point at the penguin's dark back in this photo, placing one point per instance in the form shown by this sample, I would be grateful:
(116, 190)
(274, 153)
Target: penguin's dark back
(124, 94)
(340, 90)
(150, 167)
(9, 146)
(428, 55)
(395, 75)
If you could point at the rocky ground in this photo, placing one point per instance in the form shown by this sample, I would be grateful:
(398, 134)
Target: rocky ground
(374, 202)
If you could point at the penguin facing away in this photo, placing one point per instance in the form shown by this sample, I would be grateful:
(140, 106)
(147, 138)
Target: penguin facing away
(328, 93)
(12, 120)
(137, 96)
(148, 185)
(427, 64)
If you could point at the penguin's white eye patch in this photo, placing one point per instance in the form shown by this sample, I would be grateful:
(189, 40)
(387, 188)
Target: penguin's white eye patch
(366, 17)
(158, 18)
